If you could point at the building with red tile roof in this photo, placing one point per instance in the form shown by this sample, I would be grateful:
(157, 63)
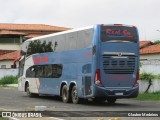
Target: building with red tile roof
(12, 36)
(6, 60)
(31, 27)
(152, 49)
(150, 57)
(149, 51)
(10, 56)
(145, 43)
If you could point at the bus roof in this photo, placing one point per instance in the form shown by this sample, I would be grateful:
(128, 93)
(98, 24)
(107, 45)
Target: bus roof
(59, 33)
(74, 30)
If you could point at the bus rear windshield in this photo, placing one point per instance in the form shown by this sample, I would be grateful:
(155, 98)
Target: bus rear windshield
(118, 33)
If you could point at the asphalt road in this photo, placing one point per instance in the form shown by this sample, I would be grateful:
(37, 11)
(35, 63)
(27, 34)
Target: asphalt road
(13, 100)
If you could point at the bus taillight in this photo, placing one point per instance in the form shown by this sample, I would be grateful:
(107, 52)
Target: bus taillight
(97, 79)
(137, 78)
(101, 25)
(134, 27)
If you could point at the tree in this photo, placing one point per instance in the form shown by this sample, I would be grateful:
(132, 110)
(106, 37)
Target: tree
(157, 42)
(148, 77)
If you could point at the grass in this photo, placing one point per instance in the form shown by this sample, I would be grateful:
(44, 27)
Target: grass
(9, 80)
(149, 96)
(1, 118)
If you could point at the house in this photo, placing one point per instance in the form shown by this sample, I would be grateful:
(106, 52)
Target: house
(145, 43)
(6, 60)
(150, 57)
(12, 36)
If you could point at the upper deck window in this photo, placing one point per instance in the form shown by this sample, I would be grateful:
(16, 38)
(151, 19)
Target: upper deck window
(118, 33)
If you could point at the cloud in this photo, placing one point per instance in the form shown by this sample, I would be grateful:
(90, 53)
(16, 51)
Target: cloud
(78, 13)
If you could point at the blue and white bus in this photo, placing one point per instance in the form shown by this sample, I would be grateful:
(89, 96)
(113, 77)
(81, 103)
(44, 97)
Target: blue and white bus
(100, 62)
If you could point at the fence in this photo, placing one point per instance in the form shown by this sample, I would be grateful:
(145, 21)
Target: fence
(6, 72)
(155, 87)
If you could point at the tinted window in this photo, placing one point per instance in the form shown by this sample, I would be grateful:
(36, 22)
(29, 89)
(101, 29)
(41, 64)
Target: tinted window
(44, 71)
(60, 43)
(85, 38)
(111, 33)
(39, 46)
(86, 68)
(71, 41)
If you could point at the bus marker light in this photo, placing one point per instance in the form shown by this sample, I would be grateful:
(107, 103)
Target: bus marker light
(118, 24)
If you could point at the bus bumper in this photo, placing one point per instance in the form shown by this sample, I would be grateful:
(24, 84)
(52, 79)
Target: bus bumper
(116, 92)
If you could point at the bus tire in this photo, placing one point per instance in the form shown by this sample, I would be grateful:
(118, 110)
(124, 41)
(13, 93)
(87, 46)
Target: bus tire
(99, 99)
(29, 94)
(65, 94)
(111, 100)
(74, 95)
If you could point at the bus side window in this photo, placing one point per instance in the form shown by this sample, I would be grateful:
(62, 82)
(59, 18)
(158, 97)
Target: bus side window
(39, 71)
(60, 43)
(71, 40)
(48, 73)
(30, 73)
(86, 68)
(84, 38)
(57, 70)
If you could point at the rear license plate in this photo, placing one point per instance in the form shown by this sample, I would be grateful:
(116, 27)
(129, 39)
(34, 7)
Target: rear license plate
(118, 93)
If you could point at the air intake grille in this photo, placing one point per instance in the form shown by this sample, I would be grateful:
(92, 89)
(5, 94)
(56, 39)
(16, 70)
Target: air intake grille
(114, 64)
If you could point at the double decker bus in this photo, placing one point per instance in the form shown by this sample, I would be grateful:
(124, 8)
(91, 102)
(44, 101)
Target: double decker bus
(100, 62)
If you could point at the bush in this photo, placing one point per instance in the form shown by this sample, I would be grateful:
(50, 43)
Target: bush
(147, 76)
(157, 76)
(9, 80)
(157, 42)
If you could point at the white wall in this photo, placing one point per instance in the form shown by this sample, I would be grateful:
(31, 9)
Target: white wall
(6, 72)
(150, 56)
(8, 63)
(150, 63)
(155, 87)
(150, 68)
(10, 46)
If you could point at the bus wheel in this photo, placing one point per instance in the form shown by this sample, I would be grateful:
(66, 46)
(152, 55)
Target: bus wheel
(111, 100)
(28, 91)
(65, 94)
(99, 99)
(74, 95)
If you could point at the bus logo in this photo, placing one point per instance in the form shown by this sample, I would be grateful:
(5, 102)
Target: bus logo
(119, 54)
(40, 59)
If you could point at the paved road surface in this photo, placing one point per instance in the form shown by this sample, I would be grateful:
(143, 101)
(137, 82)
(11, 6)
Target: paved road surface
(12, 99)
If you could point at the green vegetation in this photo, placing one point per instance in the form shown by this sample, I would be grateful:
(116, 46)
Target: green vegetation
(149, 77)
(157, 42)
(146, 76)
(40, 47)
(156, 76)
(9, 80)
(149, 96)
(1, 118)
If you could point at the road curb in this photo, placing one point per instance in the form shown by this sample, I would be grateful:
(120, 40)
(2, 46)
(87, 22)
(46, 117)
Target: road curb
(11, 85)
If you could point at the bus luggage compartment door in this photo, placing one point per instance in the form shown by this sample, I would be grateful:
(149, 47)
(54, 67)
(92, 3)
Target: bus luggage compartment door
(86, 81)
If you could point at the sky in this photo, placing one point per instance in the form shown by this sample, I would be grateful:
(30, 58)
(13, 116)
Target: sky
(80, 13)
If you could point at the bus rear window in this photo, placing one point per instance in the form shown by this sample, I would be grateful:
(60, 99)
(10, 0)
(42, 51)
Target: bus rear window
(118, 33)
